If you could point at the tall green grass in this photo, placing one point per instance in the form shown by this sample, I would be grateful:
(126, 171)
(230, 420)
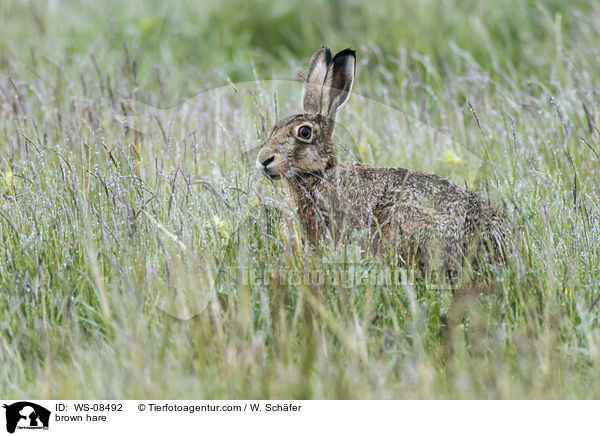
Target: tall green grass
(100, 220)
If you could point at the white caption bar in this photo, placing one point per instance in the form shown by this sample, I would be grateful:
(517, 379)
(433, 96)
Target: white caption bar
(22, 417)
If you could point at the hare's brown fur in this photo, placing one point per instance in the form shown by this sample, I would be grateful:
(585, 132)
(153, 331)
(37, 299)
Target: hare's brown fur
(424, 216)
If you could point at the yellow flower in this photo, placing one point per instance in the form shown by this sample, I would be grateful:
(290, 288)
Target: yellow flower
(6, 180)
(221, 227)
(451, 158)
(568, 292)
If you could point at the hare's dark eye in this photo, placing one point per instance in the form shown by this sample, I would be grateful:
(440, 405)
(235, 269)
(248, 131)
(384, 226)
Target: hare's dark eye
(304, 132)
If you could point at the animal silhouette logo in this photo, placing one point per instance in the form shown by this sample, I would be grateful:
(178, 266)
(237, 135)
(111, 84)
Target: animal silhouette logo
(26, 415)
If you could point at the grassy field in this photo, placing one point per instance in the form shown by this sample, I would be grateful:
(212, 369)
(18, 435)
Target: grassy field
(115, 198)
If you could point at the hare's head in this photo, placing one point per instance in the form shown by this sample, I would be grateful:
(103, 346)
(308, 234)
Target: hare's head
(301, 145)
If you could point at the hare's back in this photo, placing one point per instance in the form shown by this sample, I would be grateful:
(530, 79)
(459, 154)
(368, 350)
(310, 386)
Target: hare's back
(405, 184)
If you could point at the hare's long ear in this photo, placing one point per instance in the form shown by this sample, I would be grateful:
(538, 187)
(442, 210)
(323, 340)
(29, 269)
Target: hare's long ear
(313, 88)
(338, 82)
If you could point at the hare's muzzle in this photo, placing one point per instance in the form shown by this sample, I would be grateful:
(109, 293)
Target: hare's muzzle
(263, 167)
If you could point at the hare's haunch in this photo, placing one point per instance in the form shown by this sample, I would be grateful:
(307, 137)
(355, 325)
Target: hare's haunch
(424, 216)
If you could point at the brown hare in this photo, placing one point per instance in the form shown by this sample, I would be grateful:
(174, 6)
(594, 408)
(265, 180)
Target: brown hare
(423, 216)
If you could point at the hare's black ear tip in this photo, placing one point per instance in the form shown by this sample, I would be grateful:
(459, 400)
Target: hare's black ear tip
(346, 52)
(326, 50)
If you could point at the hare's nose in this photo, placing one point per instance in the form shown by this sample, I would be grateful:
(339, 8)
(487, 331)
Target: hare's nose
(265, 163)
